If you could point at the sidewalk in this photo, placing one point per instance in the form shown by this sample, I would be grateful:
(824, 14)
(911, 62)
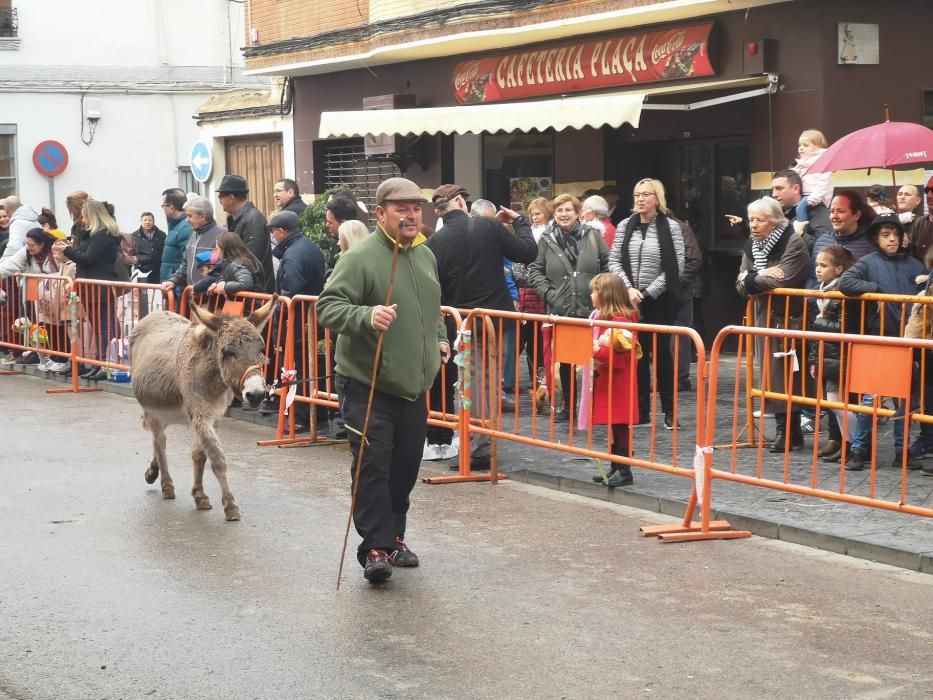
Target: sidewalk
(868, 533)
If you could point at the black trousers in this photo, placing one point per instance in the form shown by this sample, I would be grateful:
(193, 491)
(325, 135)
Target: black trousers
(656, 311)
(394, 445)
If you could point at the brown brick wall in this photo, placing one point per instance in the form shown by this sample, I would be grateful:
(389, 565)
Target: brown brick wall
(277, 20)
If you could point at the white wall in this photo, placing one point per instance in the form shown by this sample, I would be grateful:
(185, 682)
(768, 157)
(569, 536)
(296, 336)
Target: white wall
(124, 32)
(139, 143)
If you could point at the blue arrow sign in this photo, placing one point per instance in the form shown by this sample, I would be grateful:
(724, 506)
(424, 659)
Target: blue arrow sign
(201, 161)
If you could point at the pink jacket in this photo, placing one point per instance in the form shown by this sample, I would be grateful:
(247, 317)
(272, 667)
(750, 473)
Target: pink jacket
(815, 185)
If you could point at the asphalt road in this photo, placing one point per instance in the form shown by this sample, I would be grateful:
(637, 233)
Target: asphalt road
(107, 591)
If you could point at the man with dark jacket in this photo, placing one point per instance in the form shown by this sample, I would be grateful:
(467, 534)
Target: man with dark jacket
(301, 271)
(414, 342)
(689, 279)
(204, 232)
(287, 196)
(150, 240)
(248, 223)
(469, 254)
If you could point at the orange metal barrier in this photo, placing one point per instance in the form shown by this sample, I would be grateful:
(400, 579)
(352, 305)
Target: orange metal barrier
(34, 315)
(867, 355)
(86, 321)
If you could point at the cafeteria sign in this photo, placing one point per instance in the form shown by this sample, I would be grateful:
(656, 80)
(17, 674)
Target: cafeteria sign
(627, 59)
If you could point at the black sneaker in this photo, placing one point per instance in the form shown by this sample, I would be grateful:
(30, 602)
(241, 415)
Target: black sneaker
(378, 566)
(621, 477)
(562, 416)
(669, 421)
(402, 555)
(27, 358)
(913, 463)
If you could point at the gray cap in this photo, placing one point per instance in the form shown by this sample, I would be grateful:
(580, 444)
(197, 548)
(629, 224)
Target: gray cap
(399, 189)
(287, 220)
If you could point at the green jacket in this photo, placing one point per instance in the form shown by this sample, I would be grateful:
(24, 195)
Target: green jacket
(410, 354)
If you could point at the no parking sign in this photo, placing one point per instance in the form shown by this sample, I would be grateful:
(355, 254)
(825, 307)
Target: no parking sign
(50, 158)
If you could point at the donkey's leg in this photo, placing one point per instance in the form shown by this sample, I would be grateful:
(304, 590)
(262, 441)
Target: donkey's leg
(211, 444)
(199, 458)
(159, 463)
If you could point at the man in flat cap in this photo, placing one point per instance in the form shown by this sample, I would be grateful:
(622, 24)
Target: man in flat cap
(414, 344)
(470, 253)
(248, 223)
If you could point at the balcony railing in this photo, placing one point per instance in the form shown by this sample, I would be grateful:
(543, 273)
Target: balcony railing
(8, 22)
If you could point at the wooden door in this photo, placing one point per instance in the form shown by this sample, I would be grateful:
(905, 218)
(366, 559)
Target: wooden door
(259, 160)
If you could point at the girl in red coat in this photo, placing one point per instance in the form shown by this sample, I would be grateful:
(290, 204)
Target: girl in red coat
(615, 385)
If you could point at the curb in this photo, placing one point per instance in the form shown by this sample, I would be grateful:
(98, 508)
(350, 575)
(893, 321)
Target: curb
(921, 562)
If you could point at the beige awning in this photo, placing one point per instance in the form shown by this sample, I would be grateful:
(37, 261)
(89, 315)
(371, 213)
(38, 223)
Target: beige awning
(571, 112)
(608, 109)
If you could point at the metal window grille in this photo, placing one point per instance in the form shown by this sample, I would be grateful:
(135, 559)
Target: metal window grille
(346, 165)
(186, 180)
(9, 23)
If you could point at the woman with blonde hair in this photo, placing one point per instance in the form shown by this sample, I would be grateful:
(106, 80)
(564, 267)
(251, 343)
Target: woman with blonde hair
(350, 233)
(94, 259)
(648, 253)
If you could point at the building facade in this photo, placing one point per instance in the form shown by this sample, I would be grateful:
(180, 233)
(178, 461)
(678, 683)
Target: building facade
(118, 84)
(511, 99)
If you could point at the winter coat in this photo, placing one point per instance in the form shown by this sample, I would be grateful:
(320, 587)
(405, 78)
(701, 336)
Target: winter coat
(469, 254)
(250, 225)
(95, 256)
(235, 275)
(295, 204)
(22, 222)
(301, 267)
(562, 282)
(410, 348)
(623, 378)
(815, 185)
(881, 273)
(50, 305)
(830, 321)
(693, 263)
(173, 249)
(817, 224)
(858, 243)
(149, 253)
(200, 240)
(790, 254)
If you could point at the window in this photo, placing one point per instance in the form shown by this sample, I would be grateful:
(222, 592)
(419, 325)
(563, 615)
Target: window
(928, 108)
(7, 160)
(8, 19)
(344, 164)
(186, 180)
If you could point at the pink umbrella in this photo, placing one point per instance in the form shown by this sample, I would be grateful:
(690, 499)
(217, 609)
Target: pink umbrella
(879, 146)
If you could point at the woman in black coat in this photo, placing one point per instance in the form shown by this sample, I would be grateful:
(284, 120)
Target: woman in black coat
(94, 258)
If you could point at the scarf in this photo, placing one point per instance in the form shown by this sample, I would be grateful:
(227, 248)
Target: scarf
(668, 255)
(41, 259)
(761, 249)
(569, 241)
(821, 304)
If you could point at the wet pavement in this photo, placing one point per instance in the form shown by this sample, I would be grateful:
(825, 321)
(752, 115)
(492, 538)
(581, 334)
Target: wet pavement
(108, 591)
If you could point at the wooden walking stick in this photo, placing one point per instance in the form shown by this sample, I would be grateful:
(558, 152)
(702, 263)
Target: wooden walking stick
(369, 410)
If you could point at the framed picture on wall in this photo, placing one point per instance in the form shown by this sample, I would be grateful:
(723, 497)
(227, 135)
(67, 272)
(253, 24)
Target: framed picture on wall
(858, 44)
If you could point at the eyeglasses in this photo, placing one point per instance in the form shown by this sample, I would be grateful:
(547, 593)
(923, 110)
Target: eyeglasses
(643, 195)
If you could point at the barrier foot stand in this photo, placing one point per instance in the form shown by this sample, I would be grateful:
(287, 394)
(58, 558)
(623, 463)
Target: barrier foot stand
(457, 478)
(687, 530)
(79, 390)
(300, 442)
(8, 372)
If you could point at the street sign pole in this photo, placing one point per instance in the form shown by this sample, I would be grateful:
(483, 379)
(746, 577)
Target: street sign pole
(52, 193)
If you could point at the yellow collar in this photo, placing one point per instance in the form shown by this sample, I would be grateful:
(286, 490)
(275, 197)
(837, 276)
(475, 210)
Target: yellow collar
(418, 240)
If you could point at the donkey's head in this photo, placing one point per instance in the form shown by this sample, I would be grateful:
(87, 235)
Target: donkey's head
(239, 349)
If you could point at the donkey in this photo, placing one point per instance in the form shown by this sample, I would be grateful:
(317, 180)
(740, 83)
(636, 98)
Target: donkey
(187, 372)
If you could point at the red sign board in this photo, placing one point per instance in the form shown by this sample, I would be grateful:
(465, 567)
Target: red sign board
(632, 58)
(50, 158)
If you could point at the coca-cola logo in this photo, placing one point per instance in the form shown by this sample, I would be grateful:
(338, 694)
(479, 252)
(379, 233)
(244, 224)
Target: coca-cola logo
(469, 72)
(665, 49)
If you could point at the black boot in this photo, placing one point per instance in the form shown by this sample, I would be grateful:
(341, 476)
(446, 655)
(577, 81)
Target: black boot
(796, 435)
(621, 476)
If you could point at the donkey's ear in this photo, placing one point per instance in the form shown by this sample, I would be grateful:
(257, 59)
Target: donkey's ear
(260, 316)
(206, 318)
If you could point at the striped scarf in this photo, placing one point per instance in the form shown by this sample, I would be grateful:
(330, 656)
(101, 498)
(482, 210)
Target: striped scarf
(761, 249)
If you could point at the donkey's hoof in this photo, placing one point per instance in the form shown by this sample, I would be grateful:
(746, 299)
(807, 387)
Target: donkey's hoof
(203, 503)
(152, 473)
(232, 513)
(168, 492)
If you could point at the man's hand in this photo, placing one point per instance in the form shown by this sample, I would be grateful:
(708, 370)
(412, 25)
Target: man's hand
(506, 215)
(382, 317)
(733, 219)
(168, 286)
(445, 352)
